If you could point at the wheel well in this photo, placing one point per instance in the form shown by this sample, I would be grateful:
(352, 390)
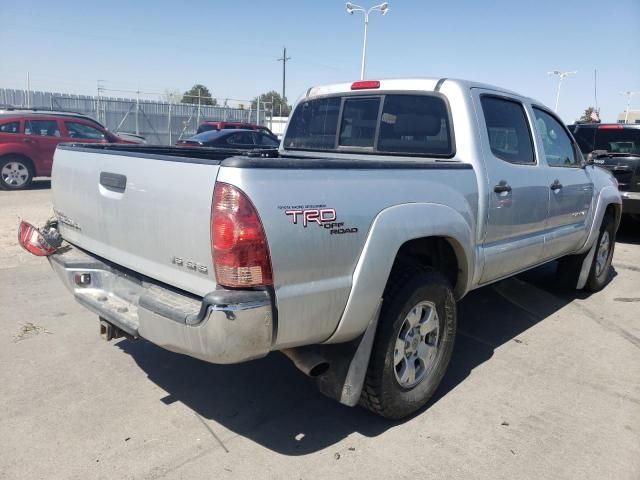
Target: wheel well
(435, 252)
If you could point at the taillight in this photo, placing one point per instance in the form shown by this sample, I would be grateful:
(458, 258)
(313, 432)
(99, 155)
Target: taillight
(610, 127)
(240, 251)
(33, 241)
(365, 84)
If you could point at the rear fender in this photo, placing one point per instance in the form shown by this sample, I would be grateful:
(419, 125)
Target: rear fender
(390, 230)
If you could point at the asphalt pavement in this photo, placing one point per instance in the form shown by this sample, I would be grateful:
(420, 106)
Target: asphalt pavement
(542, 385)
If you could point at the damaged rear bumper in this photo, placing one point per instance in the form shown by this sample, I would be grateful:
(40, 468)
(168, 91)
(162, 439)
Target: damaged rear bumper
(226, 326)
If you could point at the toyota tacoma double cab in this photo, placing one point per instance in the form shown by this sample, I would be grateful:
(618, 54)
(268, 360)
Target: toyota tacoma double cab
(346, 250)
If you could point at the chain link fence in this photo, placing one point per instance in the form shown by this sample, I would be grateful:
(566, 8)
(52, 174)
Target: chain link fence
(161, 123)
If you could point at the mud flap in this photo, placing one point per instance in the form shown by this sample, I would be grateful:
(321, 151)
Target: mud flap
(349, 362)
(586, 266)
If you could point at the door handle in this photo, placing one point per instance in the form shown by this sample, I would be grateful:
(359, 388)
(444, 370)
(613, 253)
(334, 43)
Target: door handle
(28, 140)
(502, 187)
(556, 185)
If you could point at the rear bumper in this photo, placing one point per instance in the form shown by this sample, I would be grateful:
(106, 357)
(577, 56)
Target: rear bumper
(630, 202)
(226, 326)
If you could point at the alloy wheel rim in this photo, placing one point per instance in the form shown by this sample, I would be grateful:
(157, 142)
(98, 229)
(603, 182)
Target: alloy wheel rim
(602, 255)
(15, 174)
(416, 346)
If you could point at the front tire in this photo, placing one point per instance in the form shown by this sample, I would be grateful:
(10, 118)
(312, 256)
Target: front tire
(599, 272)
(413, 345)
(16, 173)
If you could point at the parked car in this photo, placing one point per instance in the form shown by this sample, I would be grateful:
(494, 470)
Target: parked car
(235, 138)
(29, 138)
(390, 201)
(208, 125)
(615, 147)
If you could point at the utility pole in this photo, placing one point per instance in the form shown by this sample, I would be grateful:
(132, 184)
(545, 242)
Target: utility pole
(284, 70)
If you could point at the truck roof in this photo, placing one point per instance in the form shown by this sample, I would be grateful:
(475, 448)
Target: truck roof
(429, 84)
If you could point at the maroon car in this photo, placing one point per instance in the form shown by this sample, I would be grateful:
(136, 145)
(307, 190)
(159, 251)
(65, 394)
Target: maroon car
(29, 138)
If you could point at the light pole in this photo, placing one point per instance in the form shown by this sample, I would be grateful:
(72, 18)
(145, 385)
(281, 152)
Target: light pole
(561, 75)
(383, 8)
(628, 95)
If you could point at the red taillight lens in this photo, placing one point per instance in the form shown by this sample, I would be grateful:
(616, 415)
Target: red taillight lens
(32, 240)
(365, 84)
(240, 251)
(610, 127)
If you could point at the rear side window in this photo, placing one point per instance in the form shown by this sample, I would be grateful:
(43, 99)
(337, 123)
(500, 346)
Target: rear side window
(41, 128)
(407, 124)
(314, 125)
(12, 127)
(509, 133)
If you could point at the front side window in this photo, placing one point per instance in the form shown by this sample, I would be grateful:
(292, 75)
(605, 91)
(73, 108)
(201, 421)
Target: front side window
(558, 148)
(359, 121)
(82, 131)
(11, 127)
(41, 128)
(509, 134)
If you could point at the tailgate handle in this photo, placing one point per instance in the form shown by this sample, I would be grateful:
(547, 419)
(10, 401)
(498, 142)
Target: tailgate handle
(113, 181)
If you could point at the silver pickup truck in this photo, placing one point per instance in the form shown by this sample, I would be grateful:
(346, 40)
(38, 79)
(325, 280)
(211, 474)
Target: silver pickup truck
(347, 248)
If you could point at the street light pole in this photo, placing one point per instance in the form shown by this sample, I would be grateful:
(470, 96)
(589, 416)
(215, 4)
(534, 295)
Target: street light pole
(351, 8)
(561, 75)
(626, 112)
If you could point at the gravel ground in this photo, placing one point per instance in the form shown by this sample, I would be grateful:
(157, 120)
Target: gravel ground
(541, 386)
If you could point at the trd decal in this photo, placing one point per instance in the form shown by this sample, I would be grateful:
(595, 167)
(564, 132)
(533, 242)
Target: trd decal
(317, 215)
(320, 215)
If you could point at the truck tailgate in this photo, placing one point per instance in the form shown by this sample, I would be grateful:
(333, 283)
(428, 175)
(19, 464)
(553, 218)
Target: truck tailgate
(148, 213)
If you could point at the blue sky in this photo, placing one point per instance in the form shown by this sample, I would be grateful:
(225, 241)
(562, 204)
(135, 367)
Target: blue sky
(232, 47)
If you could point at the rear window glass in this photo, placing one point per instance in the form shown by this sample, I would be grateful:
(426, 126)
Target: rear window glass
(415, 124)
(314, 125)
(613, 140)
(359, 122)
(408, 124)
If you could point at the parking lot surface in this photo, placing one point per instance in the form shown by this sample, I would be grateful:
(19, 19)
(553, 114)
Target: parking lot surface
(542, 385)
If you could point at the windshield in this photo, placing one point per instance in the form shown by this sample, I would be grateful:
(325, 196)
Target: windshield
(613, 140)
(384, 124)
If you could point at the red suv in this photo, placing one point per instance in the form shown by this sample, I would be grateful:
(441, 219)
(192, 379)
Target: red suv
(28, 140)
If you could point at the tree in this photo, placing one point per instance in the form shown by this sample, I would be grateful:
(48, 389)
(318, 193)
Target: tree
(199, 90)
(272, 102)
(170, 95)
(589, 115)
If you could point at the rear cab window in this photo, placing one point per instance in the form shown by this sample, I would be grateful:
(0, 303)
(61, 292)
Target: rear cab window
(386, 124)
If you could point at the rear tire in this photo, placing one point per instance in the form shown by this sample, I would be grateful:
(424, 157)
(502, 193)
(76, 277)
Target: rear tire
(414, 342)
(16, 172)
